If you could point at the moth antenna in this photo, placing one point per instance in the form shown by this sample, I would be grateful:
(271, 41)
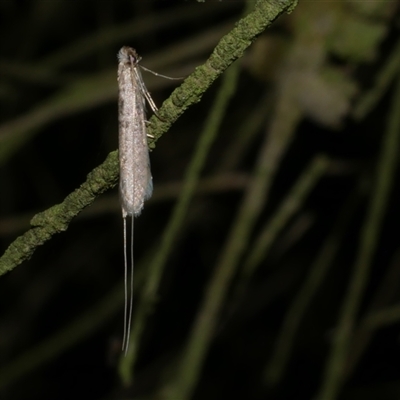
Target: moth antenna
(124, 339)
(128, 329)
(162, 76)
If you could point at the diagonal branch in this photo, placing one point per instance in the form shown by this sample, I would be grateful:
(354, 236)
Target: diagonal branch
(231, 47)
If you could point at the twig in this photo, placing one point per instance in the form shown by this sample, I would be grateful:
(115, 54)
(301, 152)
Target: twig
(104, 177)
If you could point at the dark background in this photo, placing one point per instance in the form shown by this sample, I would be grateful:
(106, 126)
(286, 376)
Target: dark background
(46, 151)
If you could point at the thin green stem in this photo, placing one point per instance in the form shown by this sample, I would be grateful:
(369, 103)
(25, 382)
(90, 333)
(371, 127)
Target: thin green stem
(335, 366)
(285, 341)
(276, 143)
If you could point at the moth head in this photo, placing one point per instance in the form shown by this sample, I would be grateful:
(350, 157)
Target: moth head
(128, 55)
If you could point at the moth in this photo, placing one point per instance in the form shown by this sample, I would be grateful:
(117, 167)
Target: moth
(136, 182)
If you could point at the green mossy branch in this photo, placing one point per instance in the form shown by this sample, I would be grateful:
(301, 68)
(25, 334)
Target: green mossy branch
(230, 48)
(57, 218)
(105, 176)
